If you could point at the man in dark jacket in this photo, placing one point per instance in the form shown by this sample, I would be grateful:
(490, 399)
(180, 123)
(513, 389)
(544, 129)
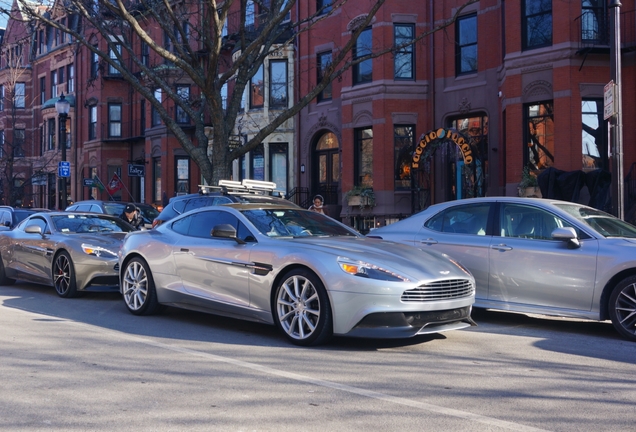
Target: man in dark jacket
(130, 215)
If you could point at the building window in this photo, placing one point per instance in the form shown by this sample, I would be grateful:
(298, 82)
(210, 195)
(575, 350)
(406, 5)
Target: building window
(112, 54)
(94, 64)
(70, 87)
(540, 135)
(323, 6)
(18, 143)
(278, 84)
(114, 120)
(404, 58)
(53, 84)
(155, 118)
(42, 90)
(257, 163)
(249, 14)
(537, 23)
(42, 41)
(278, 165)
(1, 98)
(363, 163)
(403, 146)
(224, 96)
(1, 143)
(60, 76)
(183, 176)
(92, 122)
(20, 95)
(362, 72)
(257, 97)
(594, 21)
(594, 135)
(466, 45)
(184, 93)
(156, 179)
(51, 134)
(145, 54)
(324, 61)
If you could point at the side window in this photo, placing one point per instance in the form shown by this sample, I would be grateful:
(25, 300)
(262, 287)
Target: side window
(530, 222)
(221, 200)
(182, 226)
(95, 208)
(4, 218)
(204, 222)
(82, 208)
(178, 207)
(37, 222)
(469, 219)
(195, 203)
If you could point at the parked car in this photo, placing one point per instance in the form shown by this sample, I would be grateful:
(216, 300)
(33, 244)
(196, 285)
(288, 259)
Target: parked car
(535, 255)
(247, 191)
(11, 216)
(115, 208)
(72, 252)
(303, 271)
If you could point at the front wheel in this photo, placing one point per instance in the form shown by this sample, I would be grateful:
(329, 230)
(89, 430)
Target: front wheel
(64, 276)
(138, 288)
(622, 308)
(302, 311)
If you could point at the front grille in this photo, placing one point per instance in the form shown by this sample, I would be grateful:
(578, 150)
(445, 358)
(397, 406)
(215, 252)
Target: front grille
(440, 290)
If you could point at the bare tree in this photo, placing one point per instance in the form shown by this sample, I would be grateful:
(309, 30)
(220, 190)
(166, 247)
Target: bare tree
(193, 47)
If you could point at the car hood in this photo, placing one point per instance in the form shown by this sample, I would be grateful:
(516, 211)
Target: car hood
(102, 239)
(417, 263)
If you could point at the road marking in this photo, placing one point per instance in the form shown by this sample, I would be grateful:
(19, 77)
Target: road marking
(491, 421)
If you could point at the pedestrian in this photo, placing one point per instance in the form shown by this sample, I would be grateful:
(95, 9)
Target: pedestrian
(130, 215)
(317, 206)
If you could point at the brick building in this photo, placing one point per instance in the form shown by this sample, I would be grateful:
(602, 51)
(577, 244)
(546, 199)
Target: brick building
(520, 82)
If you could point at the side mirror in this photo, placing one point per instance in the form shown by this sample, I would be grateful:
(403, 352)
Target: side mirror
(568, 235)
(33, 229)
(226, 231)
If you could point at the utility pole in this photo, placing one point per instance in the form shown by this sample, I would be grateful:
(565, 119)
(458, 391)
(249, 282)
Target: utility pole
(616, 123)
(63, 106)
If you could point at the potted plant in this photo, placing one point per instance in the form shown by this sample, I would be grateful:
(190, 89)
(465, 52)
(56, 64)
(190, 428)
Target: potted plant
(528, 186)
(360, 196)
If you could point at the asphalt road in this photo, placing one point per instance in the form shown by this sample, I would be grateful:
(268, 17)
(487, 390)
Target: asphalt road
(87, 364)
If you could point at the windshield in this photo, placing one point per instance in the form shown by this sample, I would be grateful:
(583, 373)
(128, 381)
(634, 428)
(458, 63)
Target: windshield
(73, 223)
(295, 223)
(604, 223)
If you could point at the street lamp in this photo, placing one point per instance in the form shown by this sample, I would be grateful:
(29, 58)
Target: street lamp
(62, 106)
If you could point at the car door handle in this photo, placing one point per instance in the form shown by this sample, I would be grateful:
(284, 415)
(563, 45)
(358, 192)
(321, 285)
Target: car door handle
(429, 241)
(501, 247)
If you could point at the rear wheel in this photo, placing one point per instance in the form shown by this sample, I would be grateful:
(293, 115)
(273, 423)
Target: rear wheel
(64, 276)
(4, 280)
(622, 308)
(138, 288)
(302, 311)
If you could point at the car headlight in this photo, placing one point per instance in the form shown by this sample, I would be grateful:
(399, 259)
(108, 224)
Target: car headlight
(368, 270)
(98, 251)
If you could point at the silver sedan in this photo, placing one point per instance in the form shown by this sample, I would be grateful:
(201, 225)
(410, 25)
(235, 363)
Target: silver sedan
(535, 255)
(73, 252)
(306, 273)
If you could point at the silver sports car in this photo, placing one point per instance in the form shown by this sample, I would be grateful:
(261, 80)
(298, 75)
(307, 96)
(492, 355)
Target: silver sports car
(535, 255)
(306, 273)
(73, 252)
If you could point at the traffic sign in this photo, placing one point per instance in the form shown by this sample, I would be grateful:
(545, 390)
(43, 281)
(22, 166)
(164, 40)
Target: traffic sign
(89, 182)
(608, 100)
(64, 169)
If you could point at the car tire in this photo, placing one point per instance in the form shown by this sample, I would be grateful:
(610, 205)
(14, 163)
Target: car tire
(301, 308)
(64, 280)
(622, 308)
(138, 288)
(4, 280)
